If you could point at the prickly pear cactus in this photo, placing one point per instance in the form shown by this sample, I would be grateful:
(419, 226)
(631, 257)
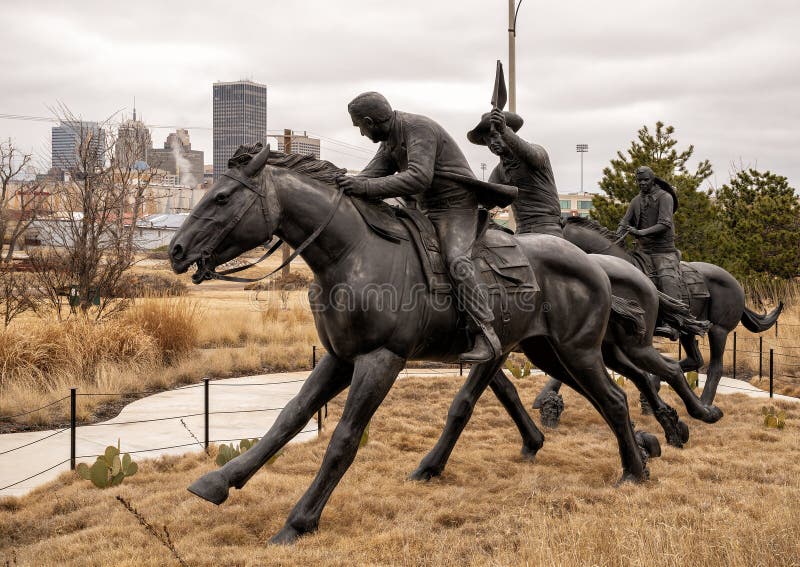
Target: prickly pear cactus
(229, 452)
(772, 418)
(109, 469)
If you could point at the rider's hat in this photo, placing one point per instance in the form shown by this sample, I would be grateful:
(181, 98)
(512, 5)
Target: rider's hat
(477, 134)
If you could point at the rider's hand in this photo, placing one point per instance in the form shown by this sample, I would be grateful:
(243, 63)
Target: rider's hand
(634, 232)
(355, 186)
(497, 119)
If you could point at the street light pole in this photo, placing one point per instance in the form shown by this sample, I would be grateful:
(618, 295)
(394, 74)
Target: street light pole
(582, 149)
(512, 59)
(483, 172)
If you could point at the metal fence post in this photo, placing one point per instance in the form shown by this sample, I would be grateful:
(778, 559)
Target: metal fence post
(73, 398)
(770, 371)
(460, 368)
(313, 356)
(734, 355)
(680, 351)
(319, 421)
(776, 329)
(760, 357)
(205, 412)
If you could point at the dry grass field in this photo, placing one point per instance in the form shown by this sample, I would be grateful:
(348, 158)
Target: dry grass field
(730, 497)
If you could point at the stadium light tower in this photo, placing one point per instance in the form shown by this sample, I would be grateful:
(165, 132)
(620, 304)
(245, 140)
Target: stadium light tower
(582, 149)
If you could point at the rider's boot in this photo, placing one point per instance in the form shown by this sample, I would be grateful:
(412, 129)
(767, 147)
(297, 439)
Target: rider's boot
(485, 348)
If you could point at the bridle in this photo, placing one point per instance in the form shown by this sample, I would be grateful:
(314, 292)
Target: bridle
(258, 191)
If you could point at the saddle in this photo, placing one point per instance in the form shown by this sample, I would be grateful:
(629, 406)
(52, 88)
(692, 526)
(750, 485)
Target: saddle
(693, 286)
(499, 261)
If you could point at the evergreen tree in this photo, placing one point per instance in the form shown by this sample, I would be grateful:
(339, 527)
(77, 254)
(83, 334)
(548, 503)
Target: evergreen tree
(762, 214)
(697, 227)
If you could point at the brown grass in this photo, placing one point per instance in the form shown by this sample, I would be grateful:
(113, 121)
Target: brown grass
(728, 498)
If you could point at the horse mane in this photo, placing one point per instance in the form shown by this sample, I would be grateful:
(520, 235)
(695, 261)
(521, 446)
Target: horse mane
(594, 226)
(318, 169)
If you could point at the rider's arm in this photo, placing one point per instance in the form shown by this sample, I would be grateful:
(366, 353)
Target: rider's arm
(627, 220)
(530, 154)
(421, 148)
(379, 166)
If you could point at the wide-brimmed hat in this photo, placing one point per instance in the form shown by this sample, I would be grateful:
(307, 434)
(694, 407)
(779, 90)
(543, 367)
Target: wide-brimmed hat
(477, 134)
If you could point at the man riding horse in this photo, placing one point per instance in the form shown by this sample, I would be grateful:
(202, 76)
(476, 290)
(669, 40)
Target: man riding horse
(649, 220)
(418, 158)
(523, 165)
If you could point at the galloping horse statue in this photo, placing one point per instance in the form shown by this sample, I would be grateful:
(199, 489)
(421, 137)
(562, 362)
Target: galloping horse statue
(724, 308)
(561, 327)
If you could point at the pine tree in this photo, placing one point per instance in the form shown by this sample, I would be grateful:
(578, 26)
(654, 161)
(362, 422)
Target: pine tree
(762, 214)
(697, 227)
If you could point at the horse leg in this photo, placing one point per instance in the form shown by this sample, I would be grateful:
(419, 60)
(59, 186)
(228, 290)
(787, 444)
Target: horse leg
(460, 411)
(330, 377)
(583, 369)
(532, 438)
(694, 358)
(717, 337)
(676, 432)
(651, 360)
(552, 385)
(373, 377)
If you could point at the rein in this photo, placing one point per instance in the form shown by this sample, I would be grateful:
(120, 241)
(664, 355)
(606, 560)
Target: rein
(224, 275)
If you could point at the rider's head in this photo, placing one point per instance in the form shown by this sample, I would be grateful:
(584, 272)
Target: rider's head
(371, 114)
(645, 179)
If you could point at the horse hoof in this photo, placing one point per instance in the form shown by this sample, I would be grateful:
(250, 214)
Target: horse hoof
(424, 474)
(648, 443)
(713, 415)
(628, 477)
(287, 536)
(212, 486)
(528, 453)
(683, 430)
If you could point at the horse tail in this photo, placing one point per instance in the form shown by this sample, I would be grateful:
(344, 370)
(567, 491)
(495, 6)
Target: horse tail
(629, 314)
(678, 315)
(756, 323)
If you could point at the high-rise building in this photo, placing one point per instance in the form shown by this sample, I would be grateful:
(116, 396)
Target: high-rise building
(301, 144)
(76, 145)
(133, 143)
(179, 159)
(240, 117)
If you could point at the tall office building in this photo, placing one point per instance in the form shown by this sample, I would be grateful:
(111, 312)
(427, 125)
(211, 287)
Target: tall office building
(301, 144)
(178, 158)
(67, 140)
(240, 117)
(133, 143)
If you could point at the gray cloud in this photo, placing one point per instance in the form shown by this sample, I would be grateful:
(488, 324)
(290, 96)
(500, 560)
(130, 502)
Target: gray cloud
(726, 74)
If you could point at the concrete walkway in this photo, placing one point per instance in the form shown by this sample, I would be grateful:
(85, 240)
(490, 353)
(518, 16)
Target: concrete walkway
(253, 403)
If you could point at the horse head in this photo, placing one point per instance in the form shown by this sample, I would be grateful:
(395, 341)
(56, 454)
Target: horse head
(237, 214)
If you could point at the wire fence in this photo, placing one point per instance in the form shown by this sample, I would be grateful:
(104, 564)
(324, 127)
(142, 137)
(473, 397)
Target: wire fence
(765, 354)
(207, 385)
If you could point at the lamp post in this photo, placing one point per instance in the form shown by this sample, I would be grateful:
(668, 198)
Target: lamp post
(483, 172)
(582, 149)
(512, 64)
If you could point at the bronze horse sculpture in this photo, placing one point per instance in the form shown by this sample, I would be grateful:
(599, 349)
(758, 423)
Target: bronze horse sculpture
(724, 309)
(562, 328)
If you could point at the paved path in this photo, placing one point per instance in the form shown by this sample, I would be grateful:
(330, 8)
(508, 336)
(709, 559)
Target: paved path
(244, 398)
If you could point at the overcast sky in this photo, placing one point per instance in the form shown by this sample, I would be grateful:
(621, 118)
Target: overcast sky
(725, 73)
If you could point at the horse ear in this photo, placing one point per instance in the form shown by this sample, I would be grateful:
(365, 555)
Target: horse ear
(257, 163)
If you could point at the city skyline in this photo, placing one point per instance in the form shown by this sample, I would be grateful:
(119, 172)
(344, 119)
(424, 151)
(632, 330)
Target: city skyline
(585, 74)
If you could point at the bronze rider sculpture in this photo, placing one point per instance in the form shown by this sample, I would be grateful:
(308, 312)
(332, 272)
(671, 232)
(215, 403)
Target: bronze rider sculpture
(417, 157)
(523, 165)
(649, 220)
